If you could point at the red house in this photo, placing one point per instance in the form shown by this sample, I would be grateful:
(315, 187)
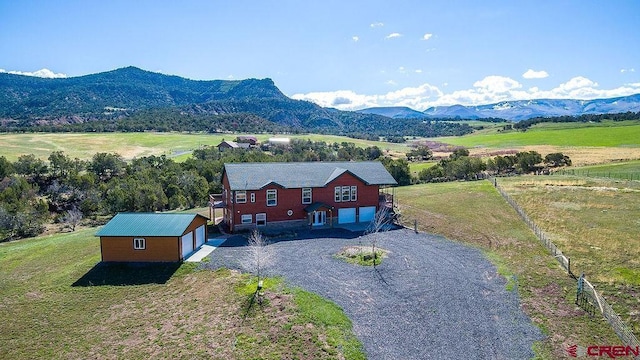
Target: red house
(311, 193)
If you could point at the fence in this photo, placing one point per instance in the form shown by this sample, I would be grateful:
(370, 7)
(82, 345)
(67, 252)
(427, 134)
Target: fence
(599, 174)
(586, 297)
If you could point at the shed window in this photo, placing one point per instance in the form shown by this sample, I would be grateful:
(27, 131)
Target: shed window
(306, 195)
(253, 197)
(247, 218)
(272, 197)
(337, 194)
(354, 193)
(241, 197)
(138, 244)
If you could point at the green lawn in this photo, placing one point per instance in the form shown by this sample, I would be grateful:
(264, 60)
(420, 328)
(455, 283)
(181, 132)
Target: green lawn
(626, 170)
(416, 167)
(476, 214)
(607, 134)
(56, 303)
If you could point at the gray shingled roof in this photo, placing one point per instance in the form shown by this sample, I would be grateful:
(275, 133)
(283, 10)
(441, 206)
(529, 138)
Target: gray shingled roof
(255, 176)
(147, 224)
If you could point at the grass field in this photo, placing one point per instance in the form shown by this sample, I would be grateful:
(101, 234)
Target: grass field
(55, 303)
(625, 170)
(474, 213)
(416, 167)
(595, 223)
(130, 145)
(605, 134)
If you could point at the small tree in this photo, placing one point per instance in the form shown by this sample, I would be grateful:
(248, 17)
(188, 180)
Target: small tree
(379, 223)
(259, 256)
(72, 218)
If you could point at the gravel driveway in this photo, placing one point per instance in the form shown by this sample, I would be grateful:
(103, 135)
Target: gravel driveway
(431, 298)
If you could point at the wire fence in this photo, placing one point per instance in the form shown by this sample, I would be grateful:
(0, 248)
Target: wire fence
(586, 296)
(599, 174)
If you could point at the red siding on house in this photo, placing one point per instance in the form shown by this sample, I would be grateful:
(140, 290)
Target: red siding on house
(291, 199)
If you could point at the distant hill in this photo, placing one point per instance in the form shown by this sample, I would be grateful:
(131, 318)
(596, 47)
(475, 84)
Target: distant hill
(520, 109)
(394, 112)
(131, 99)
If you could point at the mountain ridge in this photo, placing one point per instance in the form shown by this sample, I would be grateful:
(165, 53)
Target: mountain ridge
(517, 110)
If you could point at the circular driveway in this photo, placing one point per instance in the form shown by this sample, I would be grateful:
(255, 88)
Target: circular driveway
(431, 298)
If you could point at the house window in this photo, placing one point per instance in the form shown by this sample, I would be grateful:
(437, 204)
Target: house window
(241, 197)
(138, 244)
(272, 197)
(253, 197)
(306, 195)
(261, 219)
(247, 218)
(354, 193)
(338, 194)
(346, 193)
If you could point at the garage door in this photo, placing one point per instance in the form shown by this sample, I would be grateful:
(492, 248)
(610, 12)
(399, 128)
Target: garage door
(200, 240)
(187, 244)
(346, 216)
(367, 213)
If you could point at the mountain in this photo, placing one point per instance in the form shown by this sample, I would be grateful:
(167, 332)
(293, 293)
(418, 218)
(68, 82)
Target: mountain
(132, 99)
(394, 112)
(522, 109)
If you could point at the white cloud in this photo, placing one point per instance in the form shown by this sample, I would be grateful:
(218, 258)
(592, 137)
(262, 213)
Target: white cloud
(532, 74)
(375, 25)
(391, 82)
(427, 36)
(627, 70)
(418, 71)
(489, 90)
(43, 73)
(355, 38)
(393, 35)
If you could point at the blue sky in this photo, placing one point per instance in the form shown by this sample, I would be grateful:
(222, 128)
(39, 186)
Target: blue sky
(344, 54)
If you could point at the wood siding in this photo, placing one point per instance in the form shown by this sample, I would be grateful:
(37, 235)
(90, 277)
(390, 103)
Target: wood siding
(158, 249)
(291, 199)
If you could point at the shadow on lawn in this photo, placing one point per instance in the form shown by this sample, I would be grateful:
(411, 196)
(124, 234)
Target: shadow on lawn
(123, 274)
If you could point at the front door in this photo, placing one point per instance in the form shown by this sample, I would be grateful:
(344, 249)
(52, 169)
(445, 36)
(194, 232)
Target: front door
(319, 218)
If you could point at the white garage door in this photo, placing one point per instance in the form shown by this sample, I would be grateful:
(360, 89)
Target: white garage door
(200, 240)
(346, 216)
(367, 213)
(187, 244)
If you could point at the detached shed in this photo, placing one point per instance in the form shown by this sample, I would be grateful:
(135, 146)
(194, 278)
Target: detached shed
(152, 237)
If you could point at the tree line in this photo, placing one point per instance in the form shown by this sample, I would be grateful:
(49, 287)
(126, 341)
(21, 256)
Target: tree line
(34, 192)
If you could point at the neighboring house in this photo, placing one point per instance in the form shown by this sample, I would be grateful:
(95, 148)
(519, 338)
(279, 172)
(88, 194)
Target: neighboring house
(311, 193)
(149, 237)
(251, 140)
(225, 144)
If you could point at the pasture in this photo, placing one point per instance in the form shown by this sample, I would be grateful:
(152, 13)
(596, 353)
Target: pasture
(593, 221)
(130, 145)
(476, 214)
(56, 303)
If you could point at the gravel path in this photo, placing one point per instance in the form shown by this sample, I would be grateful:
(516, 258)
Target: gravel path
(431, 298)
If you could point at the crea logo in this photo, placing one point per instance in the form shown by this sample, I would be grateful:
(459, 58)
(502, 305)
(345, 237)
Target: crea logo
(607, 351)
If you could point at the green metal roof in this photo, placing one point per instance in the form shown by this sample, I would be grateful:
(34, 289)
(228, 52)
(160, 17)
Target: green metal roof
(147, 224)
(255, 176)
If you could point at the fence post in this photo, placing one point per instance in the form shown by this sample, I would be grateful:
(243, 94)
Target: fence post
(415, 225)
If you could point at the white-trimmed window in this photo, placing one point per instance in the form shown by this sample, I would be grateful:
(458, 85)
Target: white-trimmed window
(338, 194)
(241, 197)
(354, 193)
(139, 244)
(306, 195)
(261, 219)
(272, 197)
(346, 193)
(247, 218)
(253, 197)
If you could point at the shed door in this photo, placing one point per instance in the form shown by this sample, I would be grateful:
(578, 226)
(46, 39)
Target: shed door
(200, 240)
(346, 216)
(187, 244)
(367, 213)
